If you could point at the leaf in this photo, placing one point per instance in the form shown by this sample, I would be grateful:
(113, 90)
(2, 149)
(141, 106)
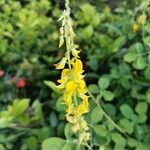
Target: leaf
(20, 106)
(147, 27)
(100, 130)
(148, 95)
(68, 131)
(120, 142)
(32, 143)
(141, 108)
(53, 119)
(147, 41)
(94, 89)
(52, 85)
(108, 95)
(104, 82)
(110, 109)
(127, 111)
(147, 72)
(53, 143)
(140, 63)
(1, 147)
(127, 125)
(130, 57)
(67, 146)
(96, 115)
(132, 142)
(138, 47)
(118, 43)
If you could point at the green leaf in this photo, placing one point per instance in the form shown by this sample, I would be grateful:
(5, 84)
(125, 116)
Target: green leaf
(148, 95)
(147, 41)
(20, 106)
(1, 147)
(32, 143)
(127, 125)
(53, 119)
(53, 143)
(147, 72)
(110, 109)
(67, 146)
(100, 130)
(120, 142)
(104, 82)
(138, 47)
(118, 43)
(96, 115)
(127, 111)
(130, 57)
(132, 142)
(108, 95)
(52, 85)
(147, 27)
(94, 89)
(68, 131)
(141, 108)
(140, 63)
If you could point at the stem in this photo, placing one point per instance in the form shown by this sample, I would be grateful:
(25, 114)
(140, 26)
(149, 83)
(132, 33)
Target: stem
(104, 113)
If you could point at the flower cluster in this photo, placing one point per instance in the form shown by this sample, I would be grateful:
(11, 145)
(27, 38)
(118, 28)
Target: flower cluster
(72, 79)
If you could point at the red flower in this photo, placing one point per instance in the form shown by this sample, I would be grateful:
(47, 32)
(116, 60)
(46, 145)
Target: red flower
(2, 73)
(21, 83)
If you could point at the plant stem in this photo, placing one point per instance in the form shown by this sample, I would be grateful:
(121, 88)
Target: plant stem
(104, 113)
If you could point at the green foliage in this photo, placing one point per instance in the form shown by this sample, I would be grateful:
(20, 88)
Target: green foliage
(116, 63)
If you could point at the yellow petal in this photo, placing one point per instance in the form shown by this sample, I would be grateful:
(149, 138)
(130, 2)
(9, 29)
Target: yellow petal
(77, 67)
(71, 87)
(81, 109)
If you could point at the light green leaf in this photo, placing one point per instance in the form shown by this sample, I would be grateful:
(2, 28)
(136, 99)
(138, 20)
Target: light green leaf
(132, 142)
(94, 89)
(96, 115)
(53, 119)
(127, 125)
(140, 63)
(147, 27)
(127, 111)
(68, 131)
(100, 130)
(141, 108)
(104, 82)
(108, 95)
(1, 147)
(118, 43)
(53, 143)
(67, 146)
(147, 72)
(20, 106)
(130, 57)
(147, 41)
(52, 85)
(119, 140)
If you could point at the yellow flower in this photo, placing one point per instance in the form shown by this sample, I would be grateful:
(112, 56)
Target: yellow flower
(61, 64)
(81, 109)
(64, 78)
(71, 87)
